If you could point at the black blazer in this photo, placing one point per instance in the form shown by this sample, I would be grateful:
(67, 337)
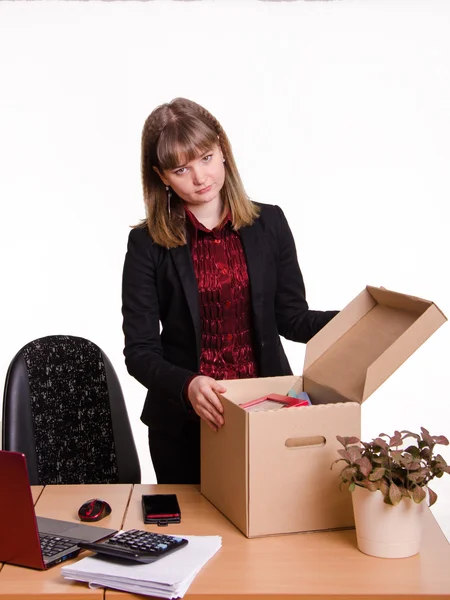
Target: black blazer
(159, 285)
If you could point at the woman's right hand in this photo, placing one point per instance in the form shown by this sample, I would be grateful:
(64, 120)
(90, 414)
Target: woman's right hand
(202, 395)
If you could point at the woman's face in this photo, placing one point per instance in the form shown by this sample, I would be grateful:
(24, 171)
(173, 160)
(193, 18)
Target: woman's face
(199, 181)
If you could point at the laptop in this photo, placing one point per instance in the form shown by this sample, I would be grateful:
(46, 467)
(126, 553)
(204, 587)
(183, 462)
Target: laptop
(30, 541)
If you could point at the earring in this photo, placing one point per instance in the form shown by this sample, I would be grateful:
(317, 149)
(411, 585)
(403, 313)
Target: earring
(223, 160)
(169, 196)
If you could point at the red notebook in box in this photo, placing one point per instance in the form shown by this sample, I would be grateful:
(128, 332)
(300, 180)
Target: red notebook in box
(273, 402)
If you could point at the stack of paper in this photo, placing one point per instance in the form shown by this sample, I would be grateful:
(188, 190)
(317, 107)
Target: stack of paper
(168, 577)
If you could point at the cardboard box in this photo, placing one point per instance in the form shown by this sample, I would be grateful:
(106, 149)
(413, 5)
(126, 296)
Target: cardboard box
(269, 472)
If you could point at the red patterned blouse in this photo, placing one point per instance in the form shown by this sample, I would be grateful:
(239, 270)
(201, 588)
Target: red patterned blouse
(224, 295)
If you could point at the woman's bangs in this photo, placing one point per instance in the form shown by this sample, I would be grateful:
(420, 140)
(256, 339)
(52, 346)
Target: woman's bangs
(182, 142)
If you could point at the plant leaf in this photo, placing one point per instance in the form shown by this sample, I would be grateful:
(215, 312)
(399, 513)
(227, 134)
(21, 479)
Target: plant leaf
(395, 494)
(383, 461)
(354, 452)
(441, 463)
(414, 465)
(418, 494)
(425, 453)
(427, 437)
(410, 434)
(432, 497)
(417, 477)
(345, 455)
(441, 439)
(383, 486)
(368, 485)
(346, 441)
(406, 460)
(348, 473)
(396, 455)
(396, 439)
(377, 474)
(365, 465)
(413, 450)
(380, 442)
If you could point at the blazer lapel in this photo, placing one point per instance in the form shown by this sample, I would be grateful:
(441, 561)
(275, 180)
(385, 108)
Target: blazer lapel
(252, 243)
(181, 256)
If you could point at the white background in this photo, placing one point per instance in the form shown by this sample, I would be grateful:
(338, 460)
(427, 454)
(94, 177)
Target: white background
(337, 111)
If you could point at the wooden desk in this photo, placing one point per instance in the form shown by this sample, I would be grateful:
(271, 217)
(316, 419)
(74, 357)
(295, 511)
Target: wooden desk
(317, 566)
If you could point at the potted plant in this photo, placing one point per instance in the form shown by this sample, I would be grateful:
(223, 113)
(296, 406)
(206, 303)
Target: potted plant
(389, 482)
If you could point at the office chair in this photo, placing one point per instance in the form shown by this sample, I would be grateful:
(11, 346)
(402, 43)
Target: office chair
(64, 409)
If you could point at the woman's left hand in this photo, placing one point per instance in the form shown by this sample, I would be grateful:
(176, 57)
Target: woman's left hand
(202, 395)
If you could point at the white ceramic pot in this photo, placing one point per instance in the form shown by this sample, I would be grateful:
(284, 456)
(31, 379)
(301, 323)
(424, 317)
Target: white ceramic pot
(384, 530)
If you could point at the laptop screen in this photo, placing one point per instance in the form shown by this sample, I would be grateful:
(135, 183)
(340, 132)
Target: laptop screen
(19, 536)
(20, 530)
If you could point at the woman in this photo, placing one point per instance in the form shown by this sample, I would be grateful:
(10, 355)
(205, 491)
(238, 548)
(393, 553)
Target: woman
(217, 271)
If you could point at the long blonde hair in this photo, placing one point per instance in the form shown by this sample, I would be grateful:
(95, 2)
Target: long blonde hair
(177, 132)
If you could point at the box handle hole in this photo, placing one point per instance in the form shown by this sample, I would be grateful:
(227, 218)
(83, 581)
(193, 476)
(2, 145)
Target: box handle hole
(312, 441)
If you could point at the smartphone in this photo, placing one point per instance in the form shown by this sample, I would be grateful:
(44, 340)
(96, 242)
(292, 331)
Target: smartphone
(161, 509)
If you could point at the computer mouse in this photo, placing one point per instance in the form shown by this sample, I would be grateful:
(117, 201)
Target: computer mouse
(94, 510)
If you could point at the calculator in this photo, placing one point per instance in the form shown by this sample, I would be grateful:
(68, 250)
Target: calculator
(137, 545)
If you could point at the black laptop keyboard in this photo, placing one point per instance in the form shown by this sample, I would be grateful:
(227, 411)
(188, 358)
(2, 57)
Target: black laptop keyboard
(52, 544)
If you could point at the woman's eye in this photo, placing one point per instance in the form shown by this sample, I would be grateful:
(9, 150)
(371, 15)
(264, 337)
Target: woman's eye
(180, 171)
(207, 158)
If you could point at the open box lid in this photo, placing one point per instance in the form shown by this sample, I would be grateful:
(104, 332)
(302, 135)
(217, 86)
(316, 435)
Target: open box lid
(367, 341)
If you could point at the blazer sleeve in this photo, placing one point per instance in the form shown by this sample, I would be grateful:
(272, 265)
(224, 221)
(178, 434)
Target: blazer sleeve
(141, 322)
(295, 321)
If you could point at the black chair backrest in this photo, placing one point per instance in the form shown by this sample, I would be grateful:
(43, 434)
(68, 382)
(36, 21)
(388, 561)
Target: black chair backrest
(63, 408)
